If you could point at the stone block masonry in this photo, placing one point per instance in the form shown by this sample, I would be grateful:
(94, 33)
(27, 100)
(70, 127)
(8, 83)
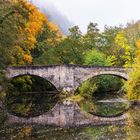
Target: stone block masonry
(66, 77)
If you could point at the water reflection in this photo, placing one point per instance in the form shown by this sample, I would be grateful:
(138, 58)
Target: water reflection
(111, 107)
(130, 131)
(51, 133)
(133, 125)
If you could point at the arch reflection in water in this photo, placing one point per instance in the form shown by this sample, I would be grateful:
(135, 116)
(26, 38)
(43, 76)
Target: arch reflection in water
(30, 95)
(103, 87)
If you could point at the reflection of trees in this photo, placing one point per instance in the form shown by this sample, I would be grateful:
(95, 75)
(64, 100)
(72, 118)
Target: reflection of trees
(133, 127)
(30, 95)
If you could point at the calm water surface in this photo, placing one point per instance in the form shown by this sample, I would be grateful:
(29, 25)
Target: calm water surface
(131, 131)
(51, 133)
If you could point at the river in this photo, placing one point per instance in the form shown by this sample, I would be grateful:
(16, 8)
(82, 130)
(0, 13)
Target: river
(130, 131)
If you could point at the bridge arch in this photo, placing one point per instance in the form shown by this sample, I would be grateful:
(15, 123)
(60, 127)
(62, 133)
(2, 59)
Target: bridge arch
(21, 75)
(113, 73)
(38, 96)
(95, 74)
(45, 72)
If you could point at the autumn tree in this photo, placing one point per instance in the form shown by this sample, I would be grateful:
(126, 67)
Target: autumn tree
(133, 94)
(22, 29)
(37, 25)
(133, 85)
(20, 24)
(123, 53)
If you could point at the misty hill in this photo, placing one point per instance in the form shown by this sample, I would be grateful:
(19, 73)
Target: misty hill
(54, 15)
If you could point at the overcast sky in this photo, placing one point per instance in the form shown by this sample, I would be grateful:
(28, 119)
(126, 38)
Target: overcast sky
(103, 12)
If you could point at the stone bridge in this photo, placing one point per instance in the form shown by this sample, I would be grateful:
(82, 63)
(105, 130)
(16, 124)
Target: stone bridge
(66, 77)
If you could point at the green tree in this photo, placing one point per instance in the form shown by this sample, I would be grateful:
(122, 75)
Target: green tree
(68, 51)
(96, 58)
(107, 42)
(92, 38)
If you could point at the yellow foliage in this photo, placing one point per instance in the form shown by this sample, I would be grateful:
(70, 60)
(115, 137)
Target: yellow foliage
(76, 98)
(54, 39)
(138, 43)
(34, 25)
(19, 50)
(27, 58)
(133, 85)
(53, 27)
(120, 39)
(122, 43)
(137, 55)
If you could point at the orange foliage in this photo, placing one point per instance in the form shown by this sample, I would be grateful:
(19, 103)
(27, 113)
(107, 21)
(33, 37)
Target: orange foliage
(53, 27)
(138, 44)
(137, 54)
(34, 24)
(27, 130)
(27, 58)
(58, 35)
